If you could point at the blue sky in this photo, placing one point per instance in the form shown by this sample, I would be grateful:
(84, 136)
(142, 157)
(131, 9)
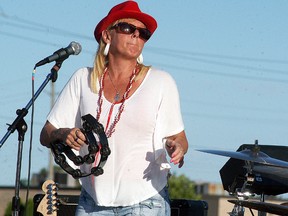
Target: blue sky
(229, 59)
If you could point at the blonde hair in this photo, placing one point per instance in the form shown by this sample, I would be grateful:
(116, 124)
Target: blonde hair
(98, 68)
(100, 63)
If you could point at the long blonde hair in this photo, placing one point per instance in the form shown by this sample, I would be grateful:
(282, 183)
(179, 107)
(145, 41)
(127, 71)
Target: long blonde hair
(101, 61)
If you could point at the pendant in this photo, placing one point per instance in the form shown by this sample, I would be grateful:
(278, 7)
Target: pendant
(117, 97)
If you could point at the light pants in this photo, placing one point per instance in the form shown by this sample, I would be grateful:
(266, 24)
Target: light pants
(158, 205)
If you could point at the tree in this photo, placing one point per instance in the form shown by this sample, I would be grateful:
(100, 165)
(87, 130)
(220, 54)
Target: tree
(181, 187)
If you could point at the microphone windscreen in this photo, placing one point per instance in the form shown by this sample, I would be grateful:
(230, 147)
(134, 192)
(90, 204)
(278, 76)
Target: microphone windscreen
(76, 47)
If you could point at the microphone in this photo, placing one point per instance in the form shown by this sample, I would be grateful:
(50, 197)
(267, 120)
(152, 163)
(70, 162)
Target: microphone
(73, 48)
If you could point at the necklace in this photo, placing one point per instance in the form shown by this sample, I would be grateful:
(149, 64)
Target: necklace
(117, 96)
(111, 129)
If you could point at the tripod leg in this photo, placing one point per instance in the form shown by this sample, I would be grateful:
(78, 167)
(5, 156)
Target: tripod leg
(21, 128)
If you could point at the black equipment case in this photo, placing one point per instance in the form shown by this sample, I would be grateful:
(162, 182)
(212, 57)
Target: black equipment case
(182, 207)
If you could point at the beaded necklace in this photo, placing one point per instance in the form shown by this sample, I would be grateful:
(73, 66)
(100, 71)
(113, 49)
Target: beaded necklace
(111, 129)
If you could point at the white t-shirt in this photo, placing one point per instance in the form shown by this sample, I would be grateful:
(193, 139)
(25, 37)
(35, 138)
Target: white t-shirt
(133, 170)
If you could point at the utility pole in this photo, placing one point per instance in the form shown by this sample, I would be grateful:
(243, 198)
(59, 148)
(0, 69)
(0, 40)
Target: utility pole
(51, 158)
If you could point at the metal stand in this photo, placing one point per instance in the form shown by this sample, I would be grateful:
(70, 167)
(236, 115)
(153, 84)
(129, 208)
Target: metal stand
(237, 211)
(21, 126)
(262, 199)
(241, 194)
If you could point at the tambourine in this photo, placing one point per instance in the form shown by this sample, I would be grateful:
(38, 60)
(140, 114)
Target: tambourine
(90, 127)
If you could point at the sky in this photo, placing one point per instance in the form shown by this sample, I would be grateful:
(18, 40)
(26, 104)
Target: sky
(229, 59)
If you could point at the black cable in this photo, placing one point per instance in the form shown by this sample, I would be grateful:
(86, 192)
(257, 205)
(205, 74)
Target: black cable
(251, 212)
(30, 146)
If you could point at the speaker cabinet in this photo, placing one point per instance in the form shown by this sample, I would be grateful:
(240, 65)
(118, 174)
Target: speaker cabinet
(182, 207)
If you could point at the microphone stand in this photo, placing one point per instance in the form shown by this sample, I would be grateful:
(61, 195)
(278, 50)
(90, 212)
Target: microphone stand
(20, 125)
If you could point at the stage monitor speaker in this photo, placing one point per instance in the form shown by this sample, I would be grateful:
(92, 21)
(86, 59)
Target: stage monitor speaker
(179, 207)
(183, 207)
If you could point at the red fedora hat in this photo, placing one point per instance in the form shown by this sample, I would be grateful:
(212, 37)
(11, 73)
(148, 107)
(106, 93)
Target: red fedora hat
(127, 9)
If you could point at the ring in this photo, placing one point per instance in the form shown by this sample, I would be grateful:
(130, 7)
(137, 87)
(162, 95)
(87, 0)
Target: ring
(76, 132)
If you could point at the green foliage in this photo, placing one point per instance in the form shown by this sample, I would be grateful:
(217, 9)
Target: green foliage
(181, 187)
(23, 212)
